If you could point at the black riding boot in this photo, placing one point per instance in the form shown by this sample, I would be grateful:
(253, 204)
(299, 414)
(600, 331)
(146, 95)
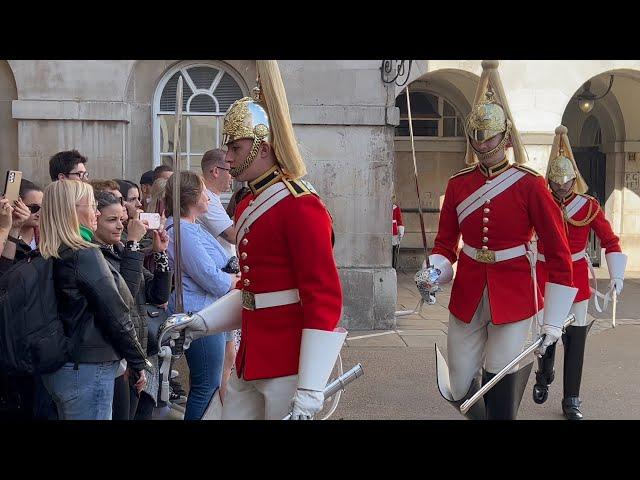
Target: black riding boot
(574, 340)
(544, 375)
(503, 400)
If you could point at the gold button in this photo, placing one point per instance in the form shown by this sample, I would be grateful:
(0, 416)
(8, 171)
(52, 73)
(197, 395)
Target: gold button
(485, 239)
(243, 255)
(250, 202)
(485, 220)
(487, 201)
(484, 230)
(246, 282)
(486, 210)
(484, 247)
(244, 241)
(488, 181)
(245, 269)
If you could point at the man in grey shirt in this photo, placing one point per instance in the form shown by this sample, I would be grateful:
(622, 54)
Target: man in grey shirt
(217, 179)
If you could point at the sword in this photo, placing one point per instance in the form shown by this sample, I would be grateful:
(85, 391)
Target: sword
(485, 388)
(339, 383)
(415, 175)
(614, 299)
(177, 131)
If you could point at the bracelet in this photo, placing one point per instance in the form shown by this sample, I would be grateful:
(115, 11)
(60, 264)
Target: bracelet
(133, 246)
(14, 239)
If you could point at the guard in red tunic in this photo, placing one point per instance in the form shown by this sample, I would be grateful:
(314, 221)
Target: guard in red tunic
(291, 293)
(397, 232)
(495, 205)
(580, 213)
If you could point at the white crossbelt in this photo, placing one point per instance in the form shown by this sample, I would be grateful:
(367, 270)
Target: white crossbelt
(500, 255)
(262, 203)
(575, 257)
(274, 299)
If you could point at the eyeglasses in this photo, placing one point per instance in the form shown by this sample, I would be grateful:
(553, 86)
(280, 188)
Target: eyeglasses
(34, 208)
(81, 175)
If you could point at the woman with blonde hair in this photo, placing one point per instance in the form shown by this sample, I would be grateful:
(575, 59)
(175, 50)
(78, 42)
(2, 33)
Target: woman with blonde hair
(90, 304)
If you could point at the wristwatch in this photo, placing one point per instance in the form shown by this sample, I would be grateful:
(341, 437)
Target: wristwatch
(14, 239)
(133, 246)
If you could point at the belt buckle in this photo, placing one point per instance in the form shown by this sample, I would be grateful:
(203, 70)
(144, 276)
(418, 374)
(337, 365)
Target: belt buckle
(248, 300)
(486, 256)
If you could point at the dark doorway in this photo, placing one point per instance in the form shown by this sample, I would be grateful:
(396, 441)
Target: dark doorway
(592, 165)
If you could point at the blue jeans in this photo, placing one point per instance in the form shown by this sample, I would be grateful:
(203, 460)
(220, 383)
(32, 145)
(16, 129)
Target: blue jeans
(85, 393)
(205, 358)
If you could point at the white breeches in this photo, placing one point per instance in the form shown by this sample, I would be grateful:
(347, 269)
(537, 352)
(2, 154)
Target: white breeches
(470, 346)
(266, 399)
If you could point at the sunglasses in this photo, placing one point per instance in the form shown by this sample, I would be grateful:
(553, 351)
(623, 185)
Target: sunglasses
(34, 208)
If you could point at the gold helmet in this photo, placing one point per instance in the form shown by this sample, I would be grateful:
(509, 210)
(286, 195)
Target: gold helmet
(265, 118)
(490, 116)
(562, 165)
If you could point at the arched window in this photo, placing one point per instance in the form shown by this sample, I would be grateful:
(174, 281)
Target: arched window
(432, 115)
(208, 91)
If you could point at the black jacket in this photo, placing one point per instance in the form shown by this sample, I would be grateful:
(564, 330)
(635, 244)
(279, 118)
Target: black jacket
(92, 295)
(144, 286)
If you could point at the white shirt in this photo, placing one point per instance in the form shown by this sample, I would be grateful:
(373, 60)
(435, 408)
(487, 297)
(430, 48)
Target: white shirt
(216, 221)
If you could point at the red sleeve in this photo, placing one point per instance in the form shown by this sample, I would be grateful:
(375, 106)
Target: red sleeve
(308, 233)
(608, 240)
(546, 218)
(446, 242)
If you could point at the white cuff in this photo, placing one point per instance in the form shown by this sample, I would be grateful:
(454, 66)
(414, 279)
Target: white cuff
(558, 300)
(319, 350)
(616, 263)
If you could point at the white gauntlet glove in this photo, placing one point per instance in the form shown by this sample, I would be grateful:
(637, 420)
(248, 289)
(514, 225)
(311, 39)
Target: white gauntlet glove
(551, 335)
(305, 404)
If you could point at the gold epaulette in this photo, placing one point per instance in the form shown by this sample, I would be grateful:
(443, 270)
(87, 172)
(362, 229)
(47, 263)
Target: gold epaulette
(530, 170)
(298, 187)
(464, 170)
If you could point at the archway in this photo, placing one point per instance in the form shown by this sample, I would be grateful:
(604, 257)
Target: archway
(440, 101)
(604, 141)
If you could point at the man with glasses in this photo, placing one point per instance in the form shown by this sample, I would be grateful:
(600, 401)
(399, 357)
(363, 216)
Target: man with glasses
(215, 172)
(68, 164)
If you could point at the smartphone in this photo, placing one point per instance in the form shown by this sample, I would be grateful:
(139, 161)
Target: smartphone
(12, 185)
(153, 219)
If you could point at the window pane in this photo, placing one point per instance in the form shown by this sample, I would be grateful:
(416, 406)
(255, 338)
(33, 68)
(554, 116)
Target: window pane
(449, 127)
(202, 103)
(167, 123)
(421, 128)
(168, 97)
(459, 127)
(203, 133)
(202, 77)
(227, 92)
(168, 160)
(447, 109)
(194, 164)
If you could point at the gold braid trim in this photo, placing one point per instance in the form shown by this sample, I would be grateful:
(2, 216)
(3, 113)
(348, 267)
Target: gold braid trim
(581, 223)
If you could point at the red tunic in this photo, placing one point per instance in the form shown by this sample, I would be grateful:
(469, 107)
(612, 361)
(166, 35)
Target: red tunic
(396, 220)
(289, 246)
(578, 238)
(511, 217)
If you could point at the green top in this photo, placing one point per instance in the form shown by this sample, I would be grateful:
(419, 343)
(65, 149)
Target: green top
(86, 233)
